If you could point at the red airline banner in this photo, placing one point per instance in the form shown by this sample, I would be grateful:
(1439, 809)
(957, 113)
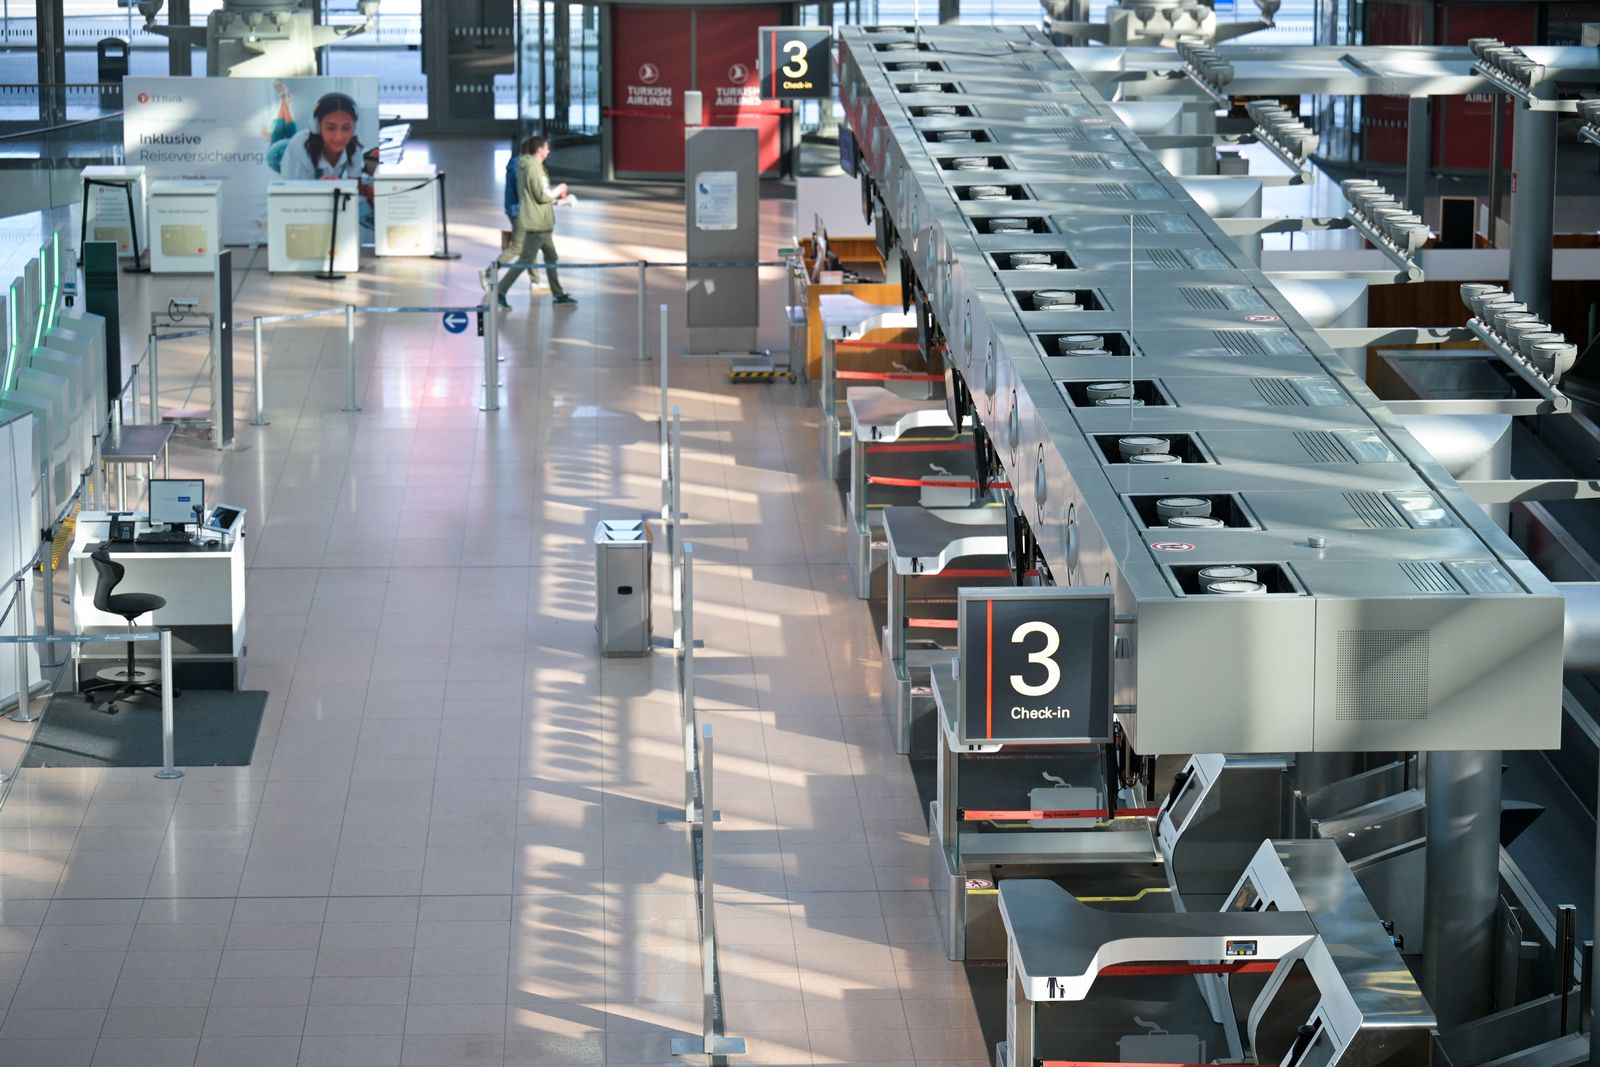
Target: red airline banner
(650, 71)
(726, 56)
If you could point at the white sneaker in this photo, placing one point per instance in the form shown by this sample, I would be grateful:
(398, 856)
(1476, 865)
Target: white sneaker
(483, 279)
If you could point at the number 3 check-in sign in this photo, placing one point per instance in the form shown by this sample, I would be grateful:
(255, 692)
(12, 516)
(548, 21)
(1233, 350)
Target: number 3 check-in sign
(1035, 664)
(796, 62)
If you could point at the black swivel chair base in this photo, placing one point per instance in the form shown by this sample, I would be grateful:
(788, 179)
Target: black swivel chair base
(130, 680)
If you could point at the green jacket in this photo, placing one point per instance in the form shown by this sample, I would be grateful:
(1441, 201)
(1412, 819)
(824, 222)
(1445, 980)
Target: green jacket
(536, 204)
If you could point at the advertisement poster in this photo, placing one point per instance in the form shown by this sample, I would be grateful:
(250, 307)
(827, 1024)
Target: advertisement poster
(246, 132)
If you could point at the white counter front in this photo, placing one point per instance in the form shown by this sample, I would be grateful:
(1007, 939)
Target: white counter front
(301, 224)
(106, 195)
(405, 205)
(185, 221)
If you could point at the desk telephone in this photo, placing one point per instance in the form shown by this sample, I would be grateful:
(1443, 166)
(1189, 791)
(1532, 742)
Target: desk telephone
(121, 531)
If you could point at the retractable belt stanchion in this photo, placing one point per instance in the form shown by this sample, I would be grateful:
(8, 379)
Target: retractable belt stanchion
(21, 606)
(350, 357)
(674, 535)
(444, 223)
(643, 353)
(167, 740)
(666, 500)
(258, 378)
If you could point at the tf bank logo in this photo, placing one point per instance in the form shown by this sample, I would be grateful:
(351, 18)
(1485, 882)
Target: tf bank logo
(159, 98)
(649, 74)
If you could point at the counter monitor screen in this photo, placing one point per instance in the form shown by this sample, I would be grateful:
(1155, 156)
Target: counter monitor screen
(177, 502)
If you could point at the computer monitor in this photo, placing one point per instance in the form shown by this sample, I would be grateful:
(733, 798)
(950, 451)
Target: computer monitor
(177, 502)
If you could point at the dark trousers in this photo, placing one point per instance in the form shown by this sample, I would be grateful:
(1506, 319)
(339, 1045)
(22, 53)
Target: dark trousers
(525, 247)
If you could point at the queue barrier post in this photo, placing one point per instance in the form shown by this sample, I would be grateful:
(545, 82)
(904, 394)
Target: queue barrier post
(712, 1040)
(491, 343)
(20, 604)
(167, 739)
(674, 538)
(444, 222)
(666, 463)
(643, 349)
(350, 358)
(258, 377)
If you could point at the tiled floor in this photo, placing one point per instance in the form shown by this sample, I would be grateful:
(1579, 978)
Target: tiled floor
(447, 851)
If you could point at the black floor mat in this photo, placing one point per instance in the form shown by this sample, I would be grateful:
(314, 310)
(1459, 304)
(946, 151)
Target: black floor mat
(211, 728)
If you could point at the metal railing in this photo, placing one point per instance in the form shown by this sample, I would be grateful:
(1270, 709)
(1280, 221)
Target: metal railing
(486, 328)
(698, 811)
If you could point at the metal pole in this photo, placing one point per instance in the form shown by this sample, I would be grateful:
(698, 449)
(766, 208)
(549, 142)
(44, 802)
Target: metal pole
(350, 356)
(643, 347)
(167, 769)
(708, 905)
(1533, 198)
(21, 605)
(690, 811)
(674, 540)
(1497, 127)
(133, 390)
(666, 470)
(1461, 893)
(1418, 154)
(155, 383)
(444, 223)
(258, 374)
(491, 346)
(47, 572)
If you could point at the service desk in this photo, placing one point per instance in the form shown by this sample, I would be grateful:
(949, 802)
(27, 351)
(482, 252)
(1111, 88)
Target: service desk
(405, 202)
(108, 195)
(302, 224)
(204, 590)
(184, 226)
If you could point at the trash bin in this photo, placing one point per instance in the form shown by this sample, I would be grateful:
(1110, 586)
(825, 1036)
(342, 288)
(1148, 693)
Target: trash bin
(622, 586)
(111, 55)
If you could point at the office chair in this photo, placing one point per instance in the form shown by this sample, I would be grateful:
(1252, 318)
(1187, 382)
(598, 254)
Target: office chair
(123, 682)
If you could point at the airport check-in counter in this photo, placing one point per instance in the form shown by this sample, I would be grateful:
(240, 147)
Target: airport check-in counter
(845, 317)
(1356, 553)
(931, 553)
(902, 452)
(1030, 811)
(1293, 969)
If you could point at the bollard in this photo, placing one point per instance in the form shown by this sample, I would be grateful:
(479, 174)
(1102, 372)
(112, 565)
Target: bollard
(643, 353)
(350, 356)
(23, 713)
(155, 386)
(258, 378)
(167, 769)
(491, 351)
(133, 393)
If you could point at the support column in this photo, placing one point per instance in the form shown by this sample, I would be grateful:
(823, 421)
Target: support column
(52, 56)
(180, 57)
(1533, 199)
(1462, 884)
(949, 11)
(1419, 154)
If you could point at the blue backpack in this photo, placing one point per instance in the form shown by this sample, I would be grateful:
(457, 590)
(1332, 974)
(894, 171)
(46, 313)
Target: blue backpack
(511, 187)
